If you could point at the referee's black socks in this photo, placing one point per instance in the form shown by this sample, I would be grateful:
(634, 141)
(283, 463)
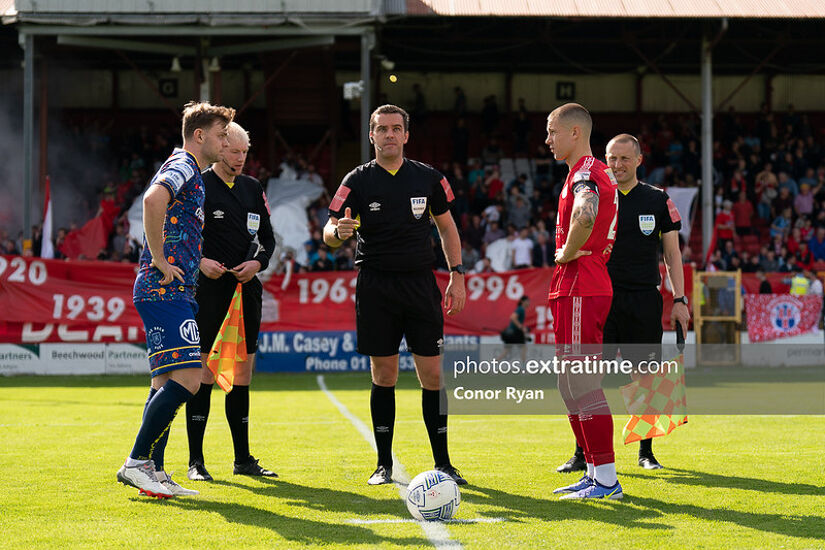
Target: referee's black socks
(646, 448)
(382, 408)
(436, 425)
(197, 413)
(237, 414)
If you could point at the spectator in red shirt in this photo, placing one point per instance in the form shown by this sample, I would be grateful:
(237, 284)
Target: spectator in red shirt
(737, 183)
(807, 230)
(793, 240)
(494, 184)
(724, 224)
(804, 258)
(743, 214)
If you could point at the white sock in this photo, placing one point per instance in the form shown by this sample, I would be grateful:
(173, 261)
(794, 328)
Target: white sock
(132, 463)
(590, 470)
(606, 474)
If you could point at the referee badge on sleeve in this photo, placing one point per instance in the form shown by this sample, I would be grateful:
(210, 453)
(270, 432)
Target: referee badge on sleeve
(419, 206)
(253, 222)
(647, 223)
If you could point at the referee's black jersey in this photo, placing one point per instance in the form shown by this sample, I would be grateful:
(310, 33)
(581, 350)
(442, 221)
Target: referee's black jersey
(394, 211)
(232, 218)
(645, 213)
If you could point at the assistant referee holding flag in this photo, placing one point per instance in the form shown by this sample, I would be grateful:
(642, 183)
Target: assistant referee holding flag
(236, 212)
(396, 294)
(645, 214)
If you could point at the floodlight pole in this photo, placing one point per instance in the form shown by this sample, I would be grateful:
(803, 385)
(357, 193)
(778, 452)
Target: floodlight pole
(707, 147)
(27, 41)
(367, 44)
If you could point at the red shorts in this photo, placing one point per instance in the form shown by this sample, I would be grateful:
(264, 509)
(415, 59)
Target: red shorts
(578, 322)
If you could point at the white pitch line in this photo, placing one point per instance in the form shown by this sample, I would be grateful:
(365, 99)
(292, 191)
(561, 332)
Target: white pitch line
(399, 520)
(435, 531)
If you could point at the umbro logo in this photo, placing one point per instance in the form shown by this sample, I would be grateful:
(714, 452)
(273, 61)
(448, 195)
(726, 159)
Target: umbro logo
(217, 214)
(375, 206)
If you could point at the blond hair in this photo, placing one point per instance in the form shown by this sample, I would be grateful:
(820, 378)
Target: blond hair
(235, 132)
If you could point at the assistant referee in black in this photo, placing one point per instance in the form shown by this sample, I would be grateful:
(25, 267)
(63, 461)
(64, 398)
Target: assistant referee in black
(646, 217)
(387, 203)
(236, 212)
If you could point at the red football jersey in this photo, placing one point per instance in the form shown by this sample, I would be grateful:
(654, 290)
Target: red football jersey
(587, 276)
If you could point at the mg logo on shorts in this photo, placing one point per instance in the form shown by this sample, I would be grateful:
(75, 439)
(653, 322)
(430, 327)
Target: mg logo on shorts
(189, 332)
(419, 206)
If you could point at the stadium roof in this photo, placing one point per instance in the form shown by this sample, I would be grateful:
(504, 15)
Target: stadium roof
(181, 12)
(258, 12)
(621, 8)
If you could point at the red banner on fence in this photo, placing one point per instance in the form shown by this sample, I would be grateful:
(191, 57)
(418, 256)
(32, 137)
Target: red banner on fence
(59, 301)
(326, 301)
(87, 301)
(774, 316)
(491, 299)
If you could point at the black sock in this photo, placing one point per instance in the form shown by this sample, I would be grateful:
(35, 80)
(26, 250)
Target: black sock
(197, 413)
(157, 418)
(646, 447)
(237, 414)
(160, 446)
(436, 425)
(382, 408)
(579, 452)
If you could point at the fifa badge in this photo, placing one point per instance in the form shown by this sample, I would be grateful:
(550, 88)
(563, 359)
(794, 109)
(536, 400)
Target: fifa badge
(253, 222)
(647, 223)
(419, 206)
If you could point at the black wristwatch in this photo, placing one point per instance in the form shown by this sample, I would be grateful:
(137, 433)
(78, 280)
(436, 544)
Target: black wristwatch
(682, 300)
(459, 268)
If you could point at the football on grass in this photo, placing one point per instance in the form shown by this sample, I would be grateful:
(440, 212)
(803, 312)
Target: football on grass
(433, 496)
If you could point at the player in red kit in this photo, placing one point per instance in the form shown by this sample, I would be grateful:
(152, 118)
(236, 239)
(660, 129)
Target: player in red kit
(581, 293)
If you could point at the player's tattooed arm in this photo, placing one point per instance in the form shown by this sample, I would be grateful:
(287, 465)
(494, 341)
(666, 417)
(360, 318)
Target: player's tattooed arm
(582, 220)
(585, 208)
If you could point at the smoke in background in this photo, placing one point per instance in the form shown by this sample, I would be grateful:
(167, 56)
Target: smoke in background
(76, 176)
(80, 167)
(79, 164)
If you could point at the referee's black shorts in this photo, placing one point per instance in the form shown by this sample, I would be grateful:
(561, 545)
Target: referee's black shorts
(213, 297)
(635, 318)
(392, 305)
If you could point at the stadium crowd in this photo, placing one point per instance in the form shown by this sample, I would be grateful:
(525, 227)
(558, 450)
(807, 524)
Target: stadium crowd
(769, 182)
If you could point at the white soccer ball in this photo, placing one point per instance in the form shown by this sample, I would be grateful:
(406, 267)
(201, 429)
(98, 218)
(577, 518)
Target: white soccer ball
(433, 496)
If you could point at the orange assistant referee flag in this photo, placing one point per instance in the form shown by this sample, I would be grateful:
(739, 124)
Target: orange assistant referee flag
(229, 347)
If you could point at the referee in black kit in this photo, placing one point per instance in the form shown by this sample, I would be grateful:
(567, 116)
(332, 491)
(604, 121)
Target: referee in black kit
(236, 211)
(646, 215)
(396, 294)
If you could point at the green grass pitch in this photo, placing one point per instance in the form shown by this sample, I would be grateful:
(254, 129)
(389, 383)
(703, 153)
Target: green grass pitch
(731, 481)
